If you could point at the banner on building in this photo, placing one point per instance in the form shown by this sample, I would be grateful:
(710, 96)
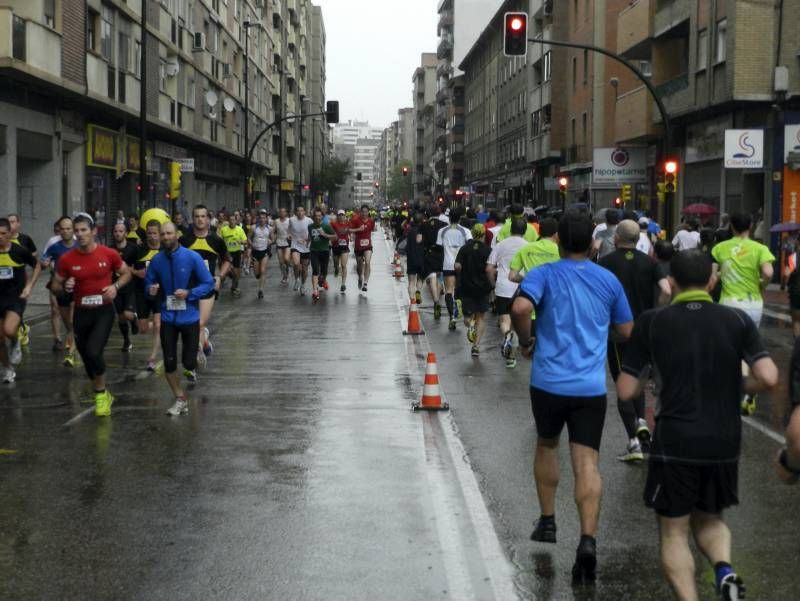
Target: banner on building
(791, 195)
(791, 141)
(744, 148)
(287, 186)
(101, 147)
(617, 166)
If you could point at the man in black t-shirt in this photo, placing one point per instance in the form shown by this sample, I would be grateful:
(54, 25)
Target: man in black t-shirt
(693, 469)
(434, 256)
(637, 273)
(473, 285)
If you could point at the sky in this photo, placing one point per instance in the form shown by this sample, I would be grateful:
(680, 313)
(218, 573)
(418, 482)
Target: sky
(373, 48)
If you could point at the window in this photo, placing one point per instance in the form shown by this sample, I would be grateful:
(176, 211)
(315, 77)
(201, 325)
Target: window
(162, 75)
(574, 73)
(50, 13)
(572, 131)
(124, 46)
(585, 67)
(92, 30)
(722, 35)
(190, 100)
(547, 66)
(137, 58)
(106, 33)
(583, 125)
(702, 49)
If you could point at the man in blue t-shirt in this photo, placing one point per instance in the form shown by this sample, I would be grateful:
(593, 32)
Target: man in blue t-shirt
(576, 303)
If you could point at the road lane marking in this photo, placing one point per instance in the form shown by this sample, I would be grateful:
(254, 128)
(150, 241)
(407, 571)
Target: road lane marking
(776, 315)
(498, 567)
(765, 430)
(78, 417)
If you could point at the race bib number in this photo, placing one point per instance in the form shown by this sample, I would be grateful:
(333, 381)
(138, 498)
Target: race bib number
(342, 242)
(93, 300)
(175, 304)
(364, 242)
(6, 273)
(233, 245)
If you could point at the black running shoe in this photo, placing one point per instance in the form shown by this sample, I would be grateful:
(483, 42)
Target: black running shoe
(585, 561)
(732, 588)
(544, 531)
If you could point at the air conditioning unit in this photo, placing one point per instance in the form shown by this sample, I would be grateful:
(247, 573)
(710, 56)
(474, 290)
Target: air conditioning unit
(198, 41)
(646, 67)
(226, 70)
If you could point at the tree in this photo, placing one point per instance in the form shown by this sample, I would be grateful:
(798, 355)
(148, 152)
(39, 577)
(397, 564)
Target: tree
(332, 176)
(400, 186)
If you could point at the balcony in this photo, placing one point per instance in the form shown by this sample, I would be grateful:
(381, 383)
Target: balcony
(673, 86)
(445, 48)
(635, 30)
(634, 117)
(540, 148)
(444, 69)
(30, 42)
(445, 21)
(443, 95)
(670, 14)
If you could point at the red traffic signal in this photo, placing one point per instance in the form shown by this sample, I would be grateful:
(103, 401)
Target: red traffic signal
(670, 172)
(405, 171)
(562, 184)
(617, 202)
(671, 167)
(515, 34)
(138, 187)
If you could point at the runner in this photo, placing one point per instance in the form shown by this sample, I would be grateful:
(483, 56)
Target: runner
(135, 233)
(603, 238)
(516, 211)
(15, 289)
(145, 305)
(362, 226)
(498, 268)
(341, 248)
(415, 258)
(789, 456)
(688, 237)
(745, 268)
(125, 301)
(434, 257)
(260, 241)
(451, 239)
(282, 244)
(301, 253)
(638, 275)
(178, 279)
(693, 468)
(576, 304)
(180, 223)
(213, 251)
(320, 235)
(63, 303)
(236, 242)
(17, 237)
(474, 285)
(86, 271)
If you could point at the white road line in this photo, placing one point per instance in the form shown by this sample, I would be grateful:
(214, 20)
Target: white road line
(776, 315)
(79, 417)
(765, 430)
(497, 564)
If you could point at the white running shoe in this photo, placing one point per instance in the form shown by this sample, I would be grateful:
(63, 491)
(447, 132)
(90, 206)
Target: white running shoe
(9, 376)
(296, 286)
(181, 407)
(16, 353)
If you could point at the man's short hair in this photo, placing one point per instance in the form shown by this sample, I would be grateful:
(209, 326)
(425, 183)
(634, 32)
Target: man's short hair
(741, 222)
(612, 216)
(691, 268)
(516, 210)
(199, 208)
(455, 215)
(628, 232)
(83, 218)
(154, 223)
(15, 216)
(365, 207)
(4, 222)
(62, 218)
(664, 250)
(519, 226)
(548, 227)
(575, 232)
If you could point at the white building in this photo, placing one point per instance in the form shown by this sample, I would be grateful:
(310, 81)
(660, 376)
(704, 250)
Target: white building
(352, 131)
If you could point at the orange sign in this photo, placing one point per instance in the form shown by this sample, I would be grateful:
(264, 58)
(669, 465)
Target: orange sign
(791, 195)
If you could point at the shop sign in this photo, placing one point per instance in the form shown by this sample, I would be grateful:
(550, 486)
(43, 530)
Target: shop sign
(101, 148)
(287, 186)
(187, 165)
(132, 162)
(619, 166)
(744, 148)
(791, 141)
(791, 195)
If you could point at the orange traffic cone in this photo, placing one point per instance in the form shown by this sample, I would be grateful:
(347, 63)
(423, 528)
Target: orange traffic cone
(398, 271)
(431, 396)
(414, 323)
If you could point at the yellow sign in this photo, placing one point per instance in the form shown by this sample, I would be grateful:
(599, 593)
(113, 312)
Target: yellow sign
(287, 186)
(101, 147)
(132, 154)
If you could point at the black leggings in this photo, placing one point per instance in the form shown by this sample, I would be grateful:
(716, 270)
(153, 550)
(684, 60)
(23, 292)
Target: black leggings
(630, 412)
(92, 327)
(190, 337)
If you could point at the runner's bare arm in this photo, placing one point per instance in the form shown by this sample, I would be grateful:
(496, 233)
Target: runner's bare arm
(664, 292)
(491, 273)
(629, 387)
(521, 310)
(792, 451)
(763, 375)
(621, 332)
(31, 279)
(515, 276)
(767, 271)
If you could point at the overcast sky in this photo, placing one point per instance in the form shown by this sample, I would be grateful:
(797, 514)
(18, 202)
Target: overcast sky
(373, 47)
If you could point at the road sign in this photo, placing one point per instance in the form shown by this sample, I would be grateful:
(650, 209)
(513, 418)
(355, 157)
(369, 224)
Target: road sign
(187, 165)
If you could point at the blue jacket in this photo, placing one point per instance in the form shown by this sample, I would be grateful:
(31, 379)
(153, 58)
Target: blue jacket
(179, 269)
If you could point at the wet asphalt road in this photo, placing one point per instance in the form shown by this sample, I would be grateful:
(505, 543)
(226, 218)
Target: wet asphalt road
(300, 473)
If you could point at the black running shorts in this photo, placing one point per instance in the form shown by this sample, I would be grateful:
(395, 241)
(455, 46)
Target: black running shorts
(584, 416)
(475, 304)
(674, 490)
(502, 305)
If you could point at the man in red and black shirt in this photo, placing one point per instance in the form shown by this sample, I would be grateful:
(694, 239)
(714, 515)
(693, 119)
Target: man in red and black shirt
(361, 226)
(87, 272)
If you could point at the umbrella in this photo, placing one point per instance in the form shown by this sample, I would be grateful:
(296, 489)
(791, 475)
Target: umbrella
(785, 227)
(700, 208)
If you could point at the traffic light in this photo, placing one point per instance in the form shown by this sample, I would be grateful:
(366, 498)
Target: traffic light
(617, 202)
(174, 180)
(358, 176)
(332, 112)
(405, 171)
(661, 191)
(670, 175)
(515, 35)
(138, 187)
(562, 185)
(626, 194)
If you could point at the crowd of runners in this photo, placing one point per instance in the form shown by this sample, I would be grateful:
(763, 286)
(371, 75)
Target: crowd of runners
(573, 295)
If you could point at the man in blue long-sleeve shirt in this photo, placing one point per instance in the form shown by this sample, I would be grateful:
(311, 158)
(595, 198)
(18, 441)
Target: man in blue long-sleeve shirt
(179, 278)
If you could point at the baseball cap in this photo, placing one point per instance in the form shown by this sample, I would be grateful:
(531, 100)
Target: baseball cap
(340, 212)
(643, 221)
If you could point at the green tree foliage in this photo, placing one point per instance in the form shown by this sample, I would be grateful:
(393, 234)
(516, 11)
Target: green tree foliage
(332, 176)
(400, 186)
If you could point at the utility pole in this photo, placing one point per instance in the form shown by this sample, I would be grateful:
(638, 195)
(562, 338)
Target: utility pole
(143, 183)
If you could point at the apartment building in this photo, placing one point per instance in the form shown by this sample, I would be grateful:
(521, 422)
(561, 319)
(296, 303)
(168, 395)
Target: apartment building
(496, 130)
(424, 81)
(70, 99)
(406, 134)
(359, 142)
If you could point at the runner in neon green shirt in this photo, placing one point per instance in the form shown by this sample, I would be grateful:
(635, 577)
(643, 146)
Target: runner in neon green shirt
(516, 212)
(534, 254)
(235, 240)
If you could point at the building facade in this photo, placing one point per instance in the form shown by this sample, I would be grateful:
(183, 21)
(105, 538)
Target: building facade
(424, 81)
(70, 99)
